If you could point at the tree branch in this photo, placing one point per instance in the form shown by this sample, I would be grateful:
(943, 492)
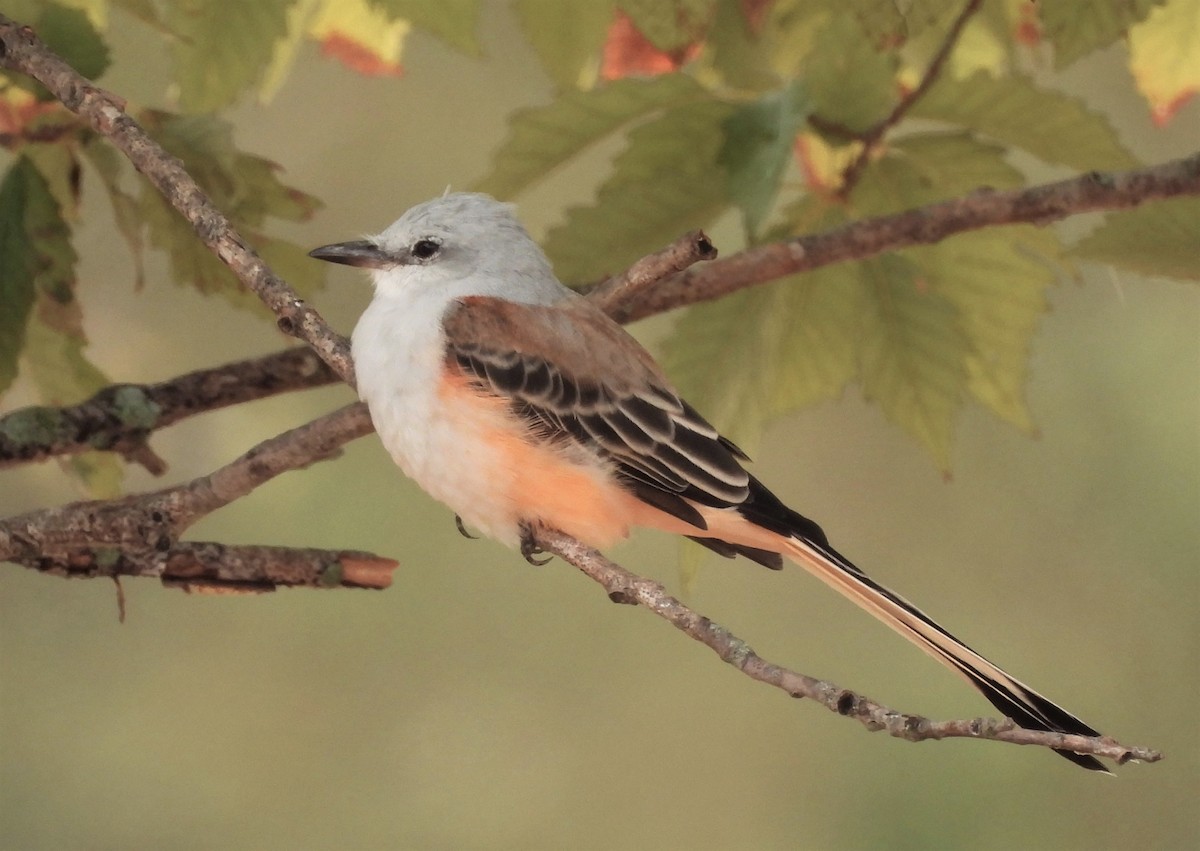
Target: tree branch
(864, 238)
(625, 587)
(139, 535)
(121, 417)
(21, 50)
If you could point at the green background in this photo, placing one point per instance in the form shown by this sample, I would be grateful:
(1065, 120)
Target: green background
(485, 703)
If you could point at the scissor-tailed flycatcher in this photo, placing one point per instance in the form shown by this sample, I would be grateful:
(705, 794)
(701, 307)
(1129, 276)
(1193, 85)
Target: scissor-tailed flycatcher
(519, 404)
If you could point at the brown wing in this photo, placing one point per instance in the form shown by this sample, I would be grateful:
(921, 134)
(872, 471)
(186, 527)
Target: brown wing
(577, 376)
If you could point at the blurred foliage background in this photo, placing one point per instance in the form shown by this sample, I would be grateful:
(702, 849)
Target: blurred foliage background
(485, 703)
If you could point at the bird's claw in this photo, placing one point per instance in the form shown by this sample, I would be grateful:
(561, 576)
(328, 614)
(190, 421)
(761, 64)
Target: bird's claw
(462, 530)
(530, 549)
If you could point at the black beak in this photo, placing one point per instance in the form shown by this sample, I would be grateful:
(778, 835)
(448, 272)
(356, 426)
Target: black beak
(360, 253)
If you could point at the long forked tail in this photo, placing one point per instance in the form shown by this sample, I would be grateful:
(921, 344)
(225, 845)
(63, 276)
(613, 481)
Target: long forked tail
(1012, 697)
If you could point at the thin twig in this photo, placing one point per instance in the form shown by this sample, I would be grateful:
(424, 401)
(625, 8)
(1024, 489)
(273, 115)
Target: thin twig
(872, 136)
(121, 417)
(626, 587)
(686, 251)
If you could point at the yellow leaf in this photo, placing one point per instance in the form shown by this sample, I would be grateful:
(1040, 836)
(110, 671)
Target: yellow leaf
(823, 163)
(286, 50)
(1164, 55)
(360, 37)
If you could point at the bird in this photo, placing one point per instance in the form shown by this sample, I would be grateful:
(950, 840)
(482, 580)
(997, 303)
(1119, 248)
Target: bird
(521, 406)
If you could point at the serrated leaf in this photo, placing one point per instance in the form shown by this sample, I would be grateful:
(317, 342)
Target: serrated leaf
(665, 183)
(223, 47)
(70, 34)
(928, 167)
(455, 22)
(287, 48)
(246, 187)
(765, 351)
(191, 263)
(670, 25)
(758, 146)
(1158, 239)
(543, 138)
(17, 261)
(1076, 29)
(58, 367)
(567, 37)
(851, 82)
(913, 355)
(997, 281)
(1164, 55)
(1052, 126)
(49, 238)
(109, 165)
(900, 22)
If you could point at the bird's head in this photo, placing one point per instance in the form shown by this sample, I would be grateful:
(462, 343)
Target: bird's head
(457, 238)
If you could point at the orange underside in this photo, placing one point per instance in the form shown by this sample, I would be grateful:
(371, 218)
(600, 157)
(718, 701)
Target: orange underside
(551, 485)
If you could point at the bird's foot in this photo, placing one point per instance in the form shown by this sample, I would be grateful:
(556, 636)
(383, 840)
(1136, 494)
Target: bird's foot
(462, 530)
(529, 547)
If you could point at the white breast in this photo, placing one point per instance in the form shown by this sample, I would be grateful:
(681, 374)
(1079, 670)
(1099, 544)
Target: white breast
(398, 352)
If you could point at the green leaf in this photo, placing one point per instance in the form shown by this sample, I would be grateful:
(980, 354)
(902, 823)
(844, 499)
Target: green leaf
(50, 240)
(766, 351)
(758, 146)
(913, 355)
(666, 182)
(57, 165)
(1162, 238)
(17, 263)
(222, 47)
(453, 21)
(286, 49)
(191, 263)
(928, 167)
(292, 263)
(58, 367)
(144, 11)
(1164, 56)
(64, 376)
(1076, 29)
(246, 187)
(740, 56)
(109, 165)
(567, 36)
(1052, 126)
(669, 24)
(997, 282)
(850, 81)
(543, 138)
(70, 34)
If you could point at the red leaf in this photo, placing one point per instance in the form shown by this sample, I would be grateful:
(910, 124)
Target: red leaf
(358, 57)
(628, 53)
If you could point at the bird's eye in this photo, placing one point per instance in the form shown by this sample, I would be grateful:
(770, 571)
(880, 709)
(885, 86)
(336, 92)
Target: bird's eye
(426, 249)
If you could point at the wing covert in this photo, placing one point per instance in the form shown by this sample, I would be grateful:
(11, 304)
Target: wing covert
(575, 375)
